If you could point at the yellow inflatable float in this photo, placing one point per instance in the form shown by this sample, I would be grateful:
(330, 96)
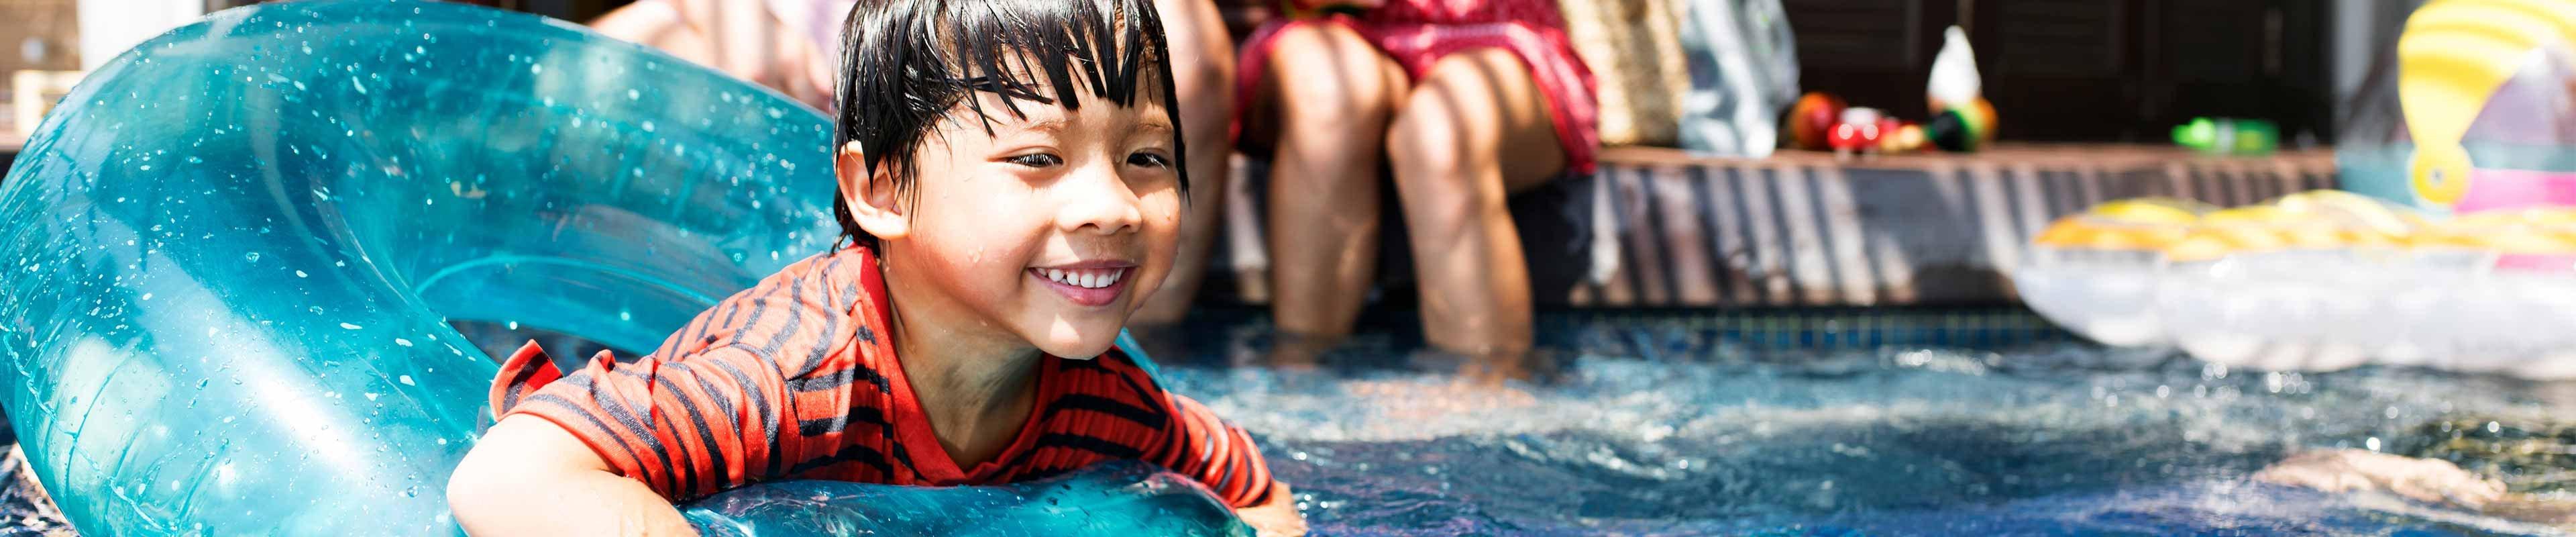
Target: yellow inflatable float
(2316, 281)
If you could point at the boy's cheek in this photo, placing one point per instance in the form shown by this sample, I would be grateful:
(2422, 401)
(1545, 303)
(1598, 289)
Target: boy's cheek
(1165, 208)
(1164, 236)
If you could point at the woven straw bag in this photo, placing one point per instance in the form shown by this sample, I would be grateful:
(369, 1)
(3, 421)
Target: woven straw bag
(1634, 50)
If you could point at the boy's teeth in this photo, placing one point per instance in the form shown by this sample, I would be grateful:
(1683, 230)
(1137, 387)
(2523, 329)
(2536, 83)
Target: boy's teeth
(1085, 278)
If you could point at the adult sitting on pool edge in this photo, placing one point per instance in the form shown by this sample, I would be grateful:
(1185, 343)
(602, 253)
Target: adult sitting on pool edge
(1011, 182)
(1467, 102)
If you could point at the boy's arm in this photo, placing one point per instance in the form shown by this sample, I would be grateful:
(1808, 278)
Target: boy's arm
(1277, 517)
(1224, 458)
(609, 446)
(528, 476)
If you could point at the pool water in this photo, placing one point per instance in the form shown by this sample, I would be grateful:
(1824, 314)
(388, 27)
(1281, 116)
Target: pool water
(1669, 424)
(1713, 436)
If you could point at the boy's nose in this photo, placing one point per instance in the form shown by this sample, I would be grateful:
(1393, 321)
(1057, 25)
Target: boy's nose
(1098, 200)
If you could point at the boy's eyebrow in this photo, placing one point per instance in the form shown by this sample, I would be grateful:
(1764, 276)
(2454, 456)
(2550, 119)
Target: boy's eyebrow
(1051, 126)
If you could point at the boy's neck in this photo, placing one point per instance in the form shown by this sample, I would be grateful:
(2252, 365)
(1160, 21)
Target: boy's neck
(975, 383)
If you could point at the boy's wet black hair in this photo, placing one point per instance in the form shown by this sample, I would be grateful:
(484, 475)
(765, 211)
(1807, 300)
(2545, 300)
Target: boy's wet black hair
(905, 64)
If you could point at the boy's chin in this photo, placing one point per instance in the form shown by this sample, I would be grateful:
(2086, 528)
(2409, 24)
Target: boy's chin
(1079, 351)
(1079, 344)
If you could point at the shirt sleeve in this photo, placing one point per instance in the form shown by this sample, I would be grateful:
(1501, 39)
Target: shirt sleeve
(1216, 454)
(686, 428)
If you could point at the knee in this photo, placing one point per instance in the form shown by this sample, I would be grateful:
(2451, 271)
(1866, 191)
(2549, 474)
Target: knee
(1205, 96)
(1333, 79)
(1203, 88)
(1450, 126)
(1444, 165)
(1435, 145)
(1429, 147)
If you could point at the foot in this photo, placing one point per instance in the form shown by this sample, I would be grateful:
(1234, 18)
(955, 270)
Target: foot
(2354, 470)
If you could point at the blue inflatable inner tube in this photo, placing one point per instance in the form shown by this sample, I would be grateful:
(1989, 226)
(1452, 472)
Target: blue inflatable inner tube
(234, 251)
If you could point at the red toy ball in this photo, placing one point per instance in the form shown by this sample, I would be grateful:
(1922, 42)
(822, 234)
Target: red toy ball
(1812, 118)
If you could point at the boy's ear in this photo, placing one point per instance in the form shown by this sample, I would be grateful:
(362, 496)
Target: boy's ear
(874, 201)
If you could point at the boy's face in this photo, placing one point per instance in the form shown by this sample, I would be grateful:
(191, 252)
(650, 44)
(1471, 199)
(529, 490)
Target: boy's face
(1053, 227)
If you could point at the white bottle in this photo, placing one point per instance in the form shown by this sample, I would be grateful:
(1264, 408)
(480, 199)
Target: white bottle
(1954, 73)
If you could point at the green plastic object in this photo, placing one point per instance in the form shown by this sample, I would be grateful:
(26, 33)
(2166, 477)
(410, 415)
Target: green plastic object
(2229, 136)
(231, 255)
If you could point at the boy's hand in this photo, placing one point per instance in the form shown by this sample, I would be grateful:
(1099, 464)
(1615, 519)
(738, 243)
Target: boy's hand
(1277, 517)
(528, 476)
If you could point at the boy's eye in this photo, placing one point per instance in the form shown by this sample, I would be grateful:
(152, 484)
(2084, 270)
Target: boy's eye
(1151, 160)
(1035, 160)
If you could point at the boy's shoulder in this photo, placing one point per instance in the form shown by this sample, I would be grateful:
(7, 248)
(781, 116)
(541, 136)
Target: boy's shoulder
(805, 308)
(838, 269)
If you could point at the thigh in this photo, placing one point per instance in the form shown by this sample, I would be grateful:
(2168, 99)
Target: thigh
(1481, 107)
(1315, 73)
(657, 24)
(1201, 52)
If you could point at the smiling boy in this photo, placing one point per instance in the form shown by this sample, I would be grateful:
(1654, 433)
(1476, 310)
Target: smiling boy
(1010, 180)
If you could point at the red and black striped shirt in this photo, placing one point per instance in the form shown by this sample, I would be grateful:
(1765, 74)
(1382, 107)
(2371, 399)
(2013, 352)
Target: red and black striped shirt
(796, 379)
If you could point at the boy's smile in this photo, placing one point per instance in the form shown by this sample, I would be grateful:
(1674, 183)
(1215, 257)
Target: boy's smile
(1087, 283)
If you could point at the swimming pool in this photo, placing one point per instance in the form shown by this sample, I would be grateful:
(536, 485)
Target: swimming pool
(1711, 435)
(1652, 423)
(1684, 423)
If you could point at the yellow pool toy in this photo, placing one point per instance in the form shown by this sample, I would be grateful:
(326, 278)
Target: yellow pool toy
(2452, 57)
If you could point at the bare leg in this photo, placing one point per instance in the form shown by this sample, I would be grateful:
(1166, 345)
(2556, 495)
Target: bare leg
(657, 24)
(1332, 95)
(1474, 130)
(1203, 76)
(739, 37)
(2424, 480)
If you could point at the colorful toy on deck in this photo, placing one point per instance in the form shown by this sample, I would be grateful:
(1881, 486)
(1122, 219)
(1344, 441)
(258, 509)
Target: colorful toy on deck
(1856, 132)
(1896, 136)
(2228, 136)
(1867, 131)
(1958, 130)
(1812, 119)
(1962, 120)
(1954, 81)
